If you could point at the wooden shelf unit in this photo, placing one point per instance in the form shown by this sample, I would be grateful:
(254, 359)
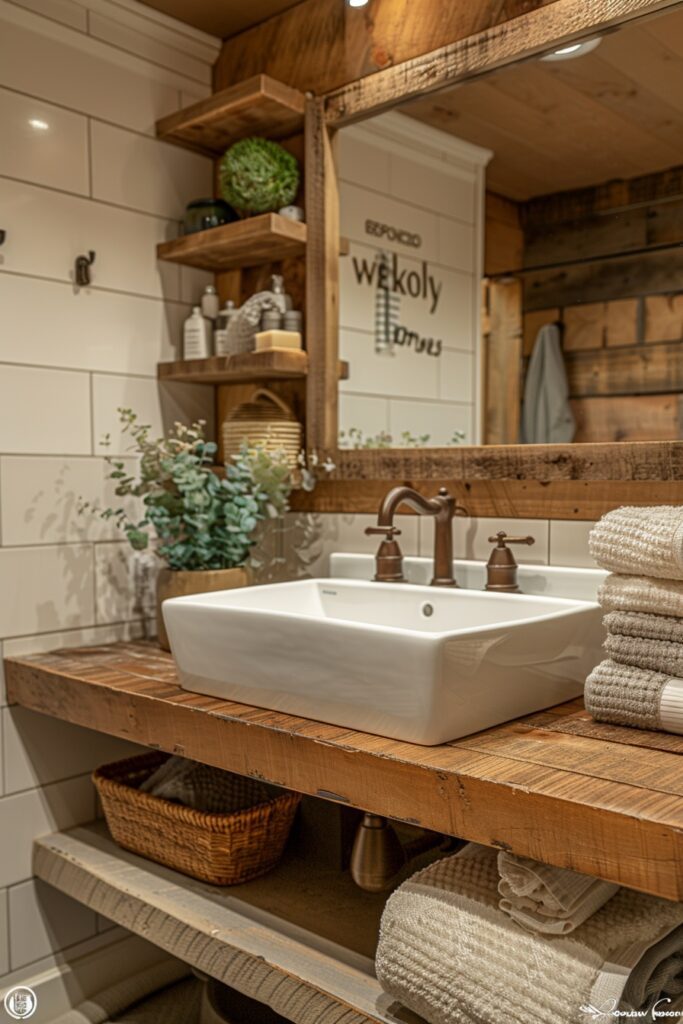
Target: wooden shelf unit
(554, 786)
(300, 938)
(258, 106)
(241, 368)
(267, 238)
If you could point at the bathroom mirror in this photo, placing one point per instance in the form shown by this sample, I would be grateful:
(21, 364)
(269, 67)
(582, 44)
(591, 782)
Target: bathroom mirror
(515, 264)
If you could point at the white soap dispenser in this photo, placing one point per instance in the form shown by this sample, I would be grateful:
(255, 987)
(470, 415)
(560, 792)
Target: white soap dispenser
(196, 336)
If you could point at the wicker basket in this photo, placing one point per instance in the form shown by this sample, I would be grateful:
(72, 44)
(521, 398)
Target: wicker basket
(264, 420)
(224, 849)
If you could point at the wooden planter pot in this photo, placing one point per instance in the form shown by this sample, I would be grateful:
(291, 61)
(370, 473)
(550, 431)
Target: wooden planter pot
(175, 583)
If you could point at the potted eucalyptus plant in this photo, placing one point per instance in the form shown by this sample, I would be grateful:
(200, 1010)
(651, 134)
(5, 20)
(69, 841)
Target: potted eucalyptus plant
(204, 522)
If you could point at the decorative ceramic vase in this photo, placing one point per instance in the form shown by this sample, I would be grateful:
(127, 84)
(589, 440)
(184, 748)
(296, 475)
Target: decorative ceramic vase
(180, 583)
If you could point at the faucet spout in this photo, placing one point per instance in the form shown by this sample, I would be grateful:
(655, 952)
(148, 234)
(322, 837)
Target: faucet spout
(443, 507)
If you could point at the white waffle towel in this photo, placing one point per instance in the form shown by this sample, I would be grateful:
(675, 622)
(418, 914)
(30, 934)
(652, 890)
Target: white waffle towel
(641, 594)
(549, 900)
(640, 541)
(448, 953)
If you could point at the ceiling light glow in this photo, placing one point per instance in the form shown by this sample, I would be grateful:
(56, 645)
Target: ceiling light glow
(357, 3)
(40, 126)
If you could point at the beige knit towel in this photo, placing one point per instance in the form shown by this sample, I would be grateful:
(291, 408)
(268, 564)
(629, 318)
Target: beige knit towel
(640, 624)
(641, 594)
(640, 541)
(553, 901)
(448, 953)
(626, 695)
(641, 652)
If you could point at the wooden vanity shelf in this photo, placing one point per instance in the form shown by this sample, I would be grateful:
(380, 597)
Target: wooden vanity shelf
(301, 938)
(267, 238)
(258, 106)
(555, 786)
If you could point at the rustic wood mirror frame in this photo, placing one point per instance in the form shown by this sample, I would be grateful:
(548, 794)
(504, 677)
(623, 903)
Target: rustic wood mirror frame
(579, 481)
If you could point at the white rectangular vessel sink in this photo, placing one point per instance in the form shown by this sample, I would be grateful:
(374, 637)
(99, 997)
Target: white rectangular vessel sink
(416, 663)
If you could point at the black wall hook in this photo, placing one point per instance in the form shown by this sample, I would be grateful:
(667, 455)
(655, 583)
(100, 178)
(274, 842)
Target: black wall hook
(82, 269)
(3, 236)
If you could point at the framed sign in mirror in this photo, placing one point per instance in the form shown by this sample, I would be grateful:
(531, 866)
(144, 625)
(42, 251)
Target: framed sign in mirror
(511, 299)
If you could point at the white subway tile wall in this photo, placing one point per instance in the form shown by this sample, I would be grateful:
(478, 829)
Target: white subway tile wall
(398, 176)
(82, 83)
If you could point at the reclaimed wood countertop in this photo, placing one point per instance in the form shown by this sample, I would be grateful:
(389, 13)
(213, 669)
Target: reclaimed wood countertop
(555, 786)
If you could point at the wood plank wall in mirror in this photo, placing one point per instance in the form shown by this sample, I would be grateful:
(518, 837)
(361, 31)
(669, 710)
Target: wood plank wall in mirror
(515, 271)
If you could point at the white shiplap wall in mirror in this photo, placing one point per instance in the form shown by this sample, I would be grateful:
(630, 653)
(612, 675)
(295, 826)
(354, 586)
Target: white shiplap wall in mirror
(417, 194)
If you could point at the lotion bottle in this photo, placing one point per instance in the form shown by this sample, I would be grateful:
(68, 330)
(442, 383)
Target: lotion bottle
(196, 336)
(210, 303)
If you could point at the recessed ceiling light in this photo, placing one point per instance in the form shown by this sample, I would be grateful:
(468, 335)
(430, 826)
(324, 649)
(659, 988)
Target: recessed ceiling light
(572, 50)
(40, 126)
(357, 3)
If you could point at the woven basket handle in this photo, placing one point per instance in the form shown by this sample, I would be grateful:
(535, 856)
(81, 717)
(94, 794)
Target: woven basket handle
(272, 397)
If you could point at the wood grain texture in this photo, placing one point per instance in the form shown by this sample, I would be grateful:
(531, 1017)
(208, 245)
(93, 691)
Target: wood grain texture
(580, 500)
(258, 106)
(610, 809)
(266, 238)
(628, 418)
(272, 364)
(334, 44)
(561, 22)
(635, 370)
(503, 361)
(266, 938)
(322, 282)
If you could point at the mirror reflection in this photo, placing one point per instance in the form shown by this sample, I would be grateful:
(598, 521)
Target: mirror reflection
(514, 269)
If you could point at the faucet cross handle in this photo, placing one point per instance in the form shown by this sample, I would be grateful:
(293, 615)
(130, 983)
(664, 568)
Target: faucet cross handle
(502, 539)
(389, 531)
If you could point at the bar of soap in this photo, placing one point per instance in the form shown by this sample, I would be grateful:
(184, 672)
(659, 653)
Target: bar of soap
(278, 339)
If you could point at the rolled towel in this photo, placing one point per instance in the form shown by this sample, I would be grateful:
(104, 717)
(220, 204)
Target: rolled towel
(639, 697)
(552, 901)
(448, 953)
(640, 541)
(641, 594)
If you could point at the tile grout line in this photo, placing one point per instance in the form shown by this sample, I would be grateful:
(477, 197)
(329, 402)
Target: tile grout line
(166, 218)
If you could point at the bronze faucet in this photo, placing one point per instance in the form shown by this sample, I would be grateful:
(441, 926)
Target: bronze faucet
(389, 558)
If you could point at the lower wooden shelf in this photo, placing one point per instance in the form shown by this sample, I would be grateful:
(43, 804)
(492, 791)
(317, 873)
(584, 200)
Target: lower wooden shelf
(299, 939)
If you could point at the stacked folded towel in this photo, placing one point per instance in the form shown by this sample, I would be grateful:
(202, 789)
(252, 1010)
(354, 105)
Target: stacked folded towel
(641, 681)
(449, 953)
(551, 901)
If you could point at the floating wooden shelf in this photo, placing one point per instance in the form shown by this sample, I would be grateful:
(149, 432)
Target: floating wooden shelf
(247, 366)
(257, 106)
(273, 364)
(555, 786)
(300, 938)
(267, 238)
